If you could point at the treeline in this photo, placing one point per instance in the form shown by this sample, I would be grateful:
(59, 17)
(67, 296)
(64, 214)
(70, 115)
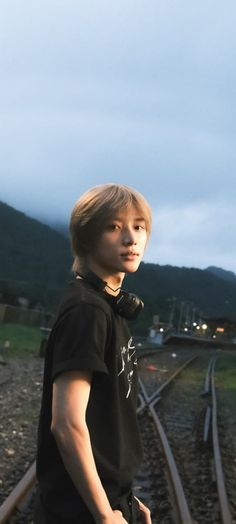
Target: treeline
(168, 290)
(35, 262)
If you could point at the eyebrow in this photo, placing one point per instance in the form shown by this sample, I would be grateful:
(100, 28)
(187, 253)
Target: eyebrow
(137, 219)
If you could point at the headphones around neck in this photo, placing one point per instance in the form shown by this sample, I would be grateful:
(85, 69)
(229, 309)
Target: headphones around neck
(127, 305)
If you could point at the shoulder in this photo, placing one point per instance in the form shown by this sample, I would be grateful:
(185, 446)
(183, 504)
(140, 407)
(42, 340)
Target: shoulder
(79, 296)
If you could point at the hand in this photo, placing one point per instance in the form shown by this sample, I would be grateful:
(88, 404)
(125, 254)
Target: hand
(145, 514)
(119, 519)
(116, 517)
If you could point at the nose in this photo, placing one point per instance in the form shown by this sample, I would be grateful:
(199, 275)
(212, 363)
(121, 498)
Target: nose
(129, 238)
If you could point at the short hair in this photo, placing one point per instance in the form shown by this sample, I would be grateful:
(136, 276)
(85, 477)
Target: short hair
(91, 212)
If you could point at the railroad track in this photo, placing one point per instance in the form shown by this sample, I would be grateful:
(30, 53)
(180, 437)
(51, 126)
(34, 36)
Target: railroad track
(20, 497)
(175, 491)
(184, 481)
(162, 488)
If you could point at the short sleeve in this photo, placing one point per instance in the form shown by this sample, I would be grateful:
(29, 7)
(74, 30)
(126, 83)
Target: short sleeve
(79, 340)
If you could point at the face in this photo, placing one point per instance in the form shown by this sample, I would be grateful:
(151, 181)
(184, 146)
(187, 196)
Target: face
(121, 245)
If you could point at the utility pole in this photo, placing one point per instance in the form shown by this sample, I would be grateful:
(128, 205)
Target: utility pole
(181, 315)
(172, 312)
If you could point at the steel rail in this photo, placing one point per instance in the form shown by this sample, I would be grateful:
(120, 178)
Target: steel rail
(173, 376)
(207, 424)
(17, 495)
(207, 436)
(223, 499)
(180, 499)
(144, 393)
(149, 399)
(207, 383)
(181, 504)
(142, 404)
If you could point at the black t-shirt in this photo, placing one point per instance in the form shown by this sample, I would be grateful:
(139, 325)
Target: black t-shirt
(89, 335)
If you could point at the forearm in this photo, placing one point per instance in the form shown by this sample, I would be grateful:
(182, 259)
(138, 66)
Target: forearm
(75, 448)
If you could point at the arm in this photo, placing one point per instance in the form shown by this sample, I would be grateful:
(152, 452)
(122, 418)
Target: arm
(70, 399)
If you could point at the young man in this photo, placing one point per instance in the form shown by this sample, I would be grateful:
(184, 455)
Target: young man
(88, 445)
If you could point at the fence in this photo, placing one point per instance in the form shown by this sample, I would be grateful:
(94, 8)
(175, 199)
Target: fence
(21, 315)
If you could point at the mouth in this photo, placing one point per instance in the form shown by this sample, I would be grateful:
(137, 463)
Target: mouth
(129, 254)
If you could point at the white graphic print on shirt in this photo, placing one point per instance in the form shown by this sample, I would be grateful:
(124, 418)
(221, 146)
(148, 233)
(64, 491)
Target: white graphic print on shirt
(127, 363)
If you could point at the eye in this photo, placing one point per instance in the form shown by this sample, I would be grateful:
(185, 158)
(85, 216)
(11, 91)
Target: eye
(140, 227)
(112, 227)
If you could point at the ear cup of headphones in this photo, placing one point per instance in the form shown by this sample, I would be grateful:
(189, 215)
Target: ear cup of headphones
(126, 304)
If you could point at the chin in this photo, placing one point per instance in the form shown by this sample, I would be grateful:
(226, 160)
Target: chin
(132, 268)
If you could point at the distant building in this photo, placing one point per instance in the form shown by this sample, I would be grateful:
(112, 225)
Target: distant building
(23, 302)
(158, 331)
(221, 328)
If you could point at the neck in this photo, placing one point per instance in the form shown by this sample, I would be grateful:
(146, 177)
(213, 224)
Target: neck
(112, 291)
(114, 281)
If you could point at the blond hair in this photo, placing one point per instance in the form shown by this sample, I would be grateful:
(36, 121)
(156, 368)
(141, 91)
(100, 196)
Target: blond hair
(92, 211)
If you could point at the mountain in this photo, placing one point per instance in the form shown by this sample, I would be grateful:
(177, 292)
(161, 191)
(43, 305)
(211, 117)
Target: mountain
(61, 228)
(229, 276)
(35, 262)
(198, 292)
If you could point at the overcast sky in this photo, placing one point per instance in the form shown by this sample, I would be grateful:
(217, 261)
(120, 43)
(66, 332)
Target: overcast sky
(134, 92)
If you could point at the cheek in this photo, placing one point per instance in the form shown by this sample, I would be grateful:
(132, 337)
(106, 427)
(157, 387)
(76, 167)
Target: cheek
(143, 242)
(109, 243)
(105, 247)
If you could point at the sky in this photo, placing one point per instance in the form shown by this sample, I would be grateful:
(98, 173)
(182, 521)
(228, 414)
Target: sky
(131, 92)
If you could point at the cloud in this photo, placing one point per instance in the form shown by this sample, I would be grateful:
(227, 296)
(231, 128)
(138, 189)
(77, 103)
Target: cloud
(202, 234)
(137, 93)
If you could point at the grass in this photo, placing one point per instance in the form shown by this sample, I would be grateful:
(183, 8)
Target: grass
(226, 377)
(18, 340)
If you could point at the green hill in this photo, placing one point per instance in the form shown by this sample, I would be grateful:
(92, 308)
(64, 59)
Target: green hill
(35, 263)
(35, 260)
(200, 292)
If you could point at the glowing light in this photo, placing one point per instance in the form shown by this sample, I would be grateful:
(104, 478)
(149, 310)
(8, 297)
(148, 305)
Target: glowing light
(173, 355)
(197, 327)
(204, 326)
(161, 330)
(152, 367)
